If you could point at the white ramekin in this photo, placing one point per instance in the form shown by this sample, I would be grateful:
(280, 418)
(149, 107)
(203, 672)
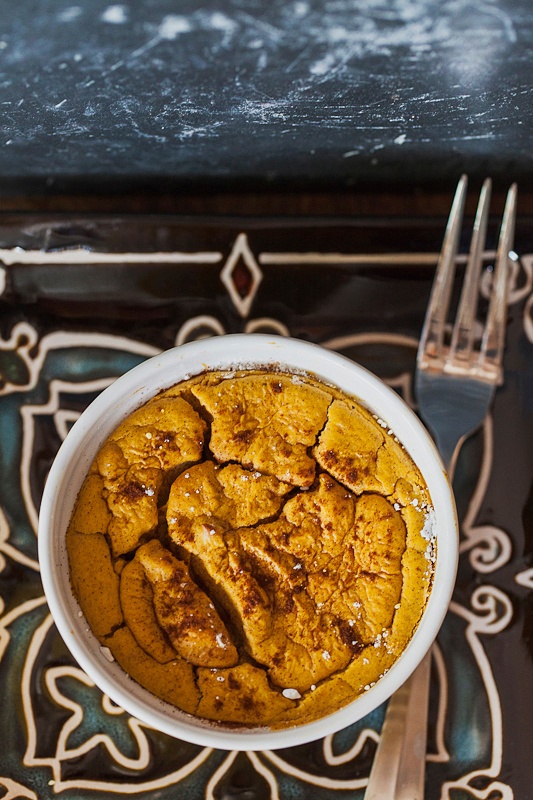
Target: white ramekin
(135, 388)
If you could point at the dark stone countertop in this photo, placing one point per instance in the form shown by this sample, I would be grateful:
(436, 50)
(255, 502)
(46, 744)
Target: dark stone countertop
(240, 93)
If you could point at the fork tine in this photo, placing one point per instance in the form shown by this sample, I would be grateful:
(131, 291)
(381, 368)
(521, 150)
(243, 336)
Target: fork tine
(431, 339)
(463, 331)
(492, 344)
(453, 402)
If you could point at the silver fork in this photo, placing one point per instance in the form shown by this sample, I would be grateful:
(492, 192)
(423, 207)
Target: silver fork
(455, 381)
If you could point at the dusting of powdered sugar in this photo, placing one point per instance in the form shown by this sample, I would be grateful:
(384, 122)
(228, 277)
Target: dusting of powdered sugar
(291, 694)
(429, 529)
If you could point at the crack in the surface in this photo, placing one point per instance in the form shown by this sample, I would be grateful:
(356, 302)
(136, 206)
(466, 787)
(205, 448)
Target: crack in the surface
(216, 592)
(118, 627)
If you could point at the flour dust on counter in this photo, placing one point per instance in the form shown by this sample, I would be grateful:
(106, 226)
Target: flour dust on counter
(240, 91)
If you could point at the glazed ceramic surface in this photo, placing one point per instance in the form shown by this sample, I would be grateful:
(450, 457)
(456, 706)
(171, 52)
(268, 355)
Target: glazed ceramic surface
(75, 313)
(135, 388)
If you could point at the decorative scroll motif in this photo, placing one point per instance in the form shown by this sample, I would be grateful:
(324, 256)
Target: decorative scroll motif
(490, 547)
(37, 377)
(15, 790)
(24, 350)
(202, 327)
(65, 753)
(526, 291)
(241, 275)
(525, 577)
(495, 611)
(8, 551)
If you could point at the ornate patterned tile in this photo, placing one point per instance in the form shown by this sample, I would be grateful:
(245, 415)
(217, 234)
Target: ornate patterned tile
(83, 300)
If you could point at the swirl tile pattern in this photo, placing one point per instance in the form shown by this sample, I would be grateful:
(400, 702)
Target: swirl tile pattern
(79, 306)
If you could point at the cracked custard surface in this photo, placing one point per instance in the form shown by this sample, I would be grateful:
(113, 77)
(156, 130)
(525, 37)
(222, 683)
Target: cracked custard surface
(255, 548)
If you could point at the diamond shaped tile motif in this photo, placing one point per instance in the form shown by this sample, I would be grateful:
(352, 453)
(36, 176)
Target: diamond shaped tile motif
(241, 275)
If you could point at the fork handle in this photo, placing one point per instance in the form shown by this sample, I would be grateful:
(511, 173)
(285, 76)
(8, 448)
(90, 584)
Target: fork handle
(410, 785)
(403, 741)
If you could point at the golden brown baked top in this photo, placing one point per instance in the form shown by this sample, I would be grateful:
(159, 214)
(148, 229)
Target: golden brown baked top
(260, 539)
